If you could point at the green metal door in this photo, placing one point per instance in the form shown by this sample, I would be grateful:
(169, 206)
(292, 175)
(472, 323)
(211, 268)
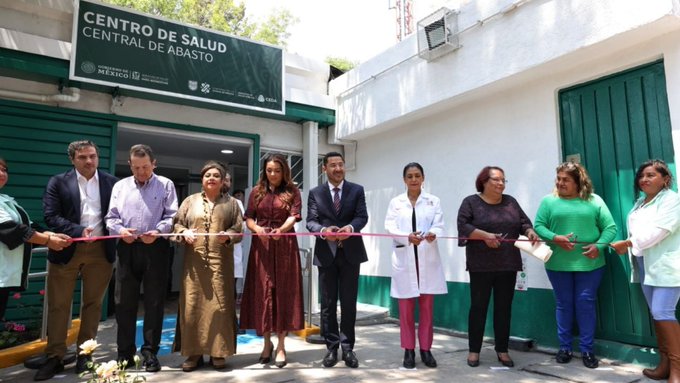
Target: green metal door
(33, 141)
(612, 125)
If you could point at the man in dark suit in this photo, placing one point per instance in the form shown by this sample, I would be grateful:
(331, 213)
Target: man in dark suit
(75, 204)
(336, 209)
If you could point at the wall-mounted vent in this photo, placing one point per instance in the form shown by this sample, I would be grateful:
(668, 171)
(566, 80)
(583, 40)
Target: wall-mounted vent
(438, 34)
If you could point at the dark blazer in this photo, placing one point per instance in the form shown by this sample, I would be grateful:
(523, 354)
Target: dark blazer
(61, 206)
(320, 214)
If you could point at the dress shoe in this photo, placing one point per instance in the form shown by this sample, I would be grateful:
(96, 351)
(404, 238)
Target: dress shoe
(218, 363)
(52, 366)
(151, 363)
(280, 363)
(350, 359)
(473, 362)
(563, 356)
(409, 359)
(331, 358)
(589, 360)
(264, 359)
(193, 362)
(428, 359)
(507, 362)
(81, 363)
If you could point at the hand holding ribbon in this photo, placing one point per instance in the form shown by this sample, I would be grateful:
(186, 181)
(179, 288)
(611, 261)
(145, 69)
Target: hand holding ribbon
(564, 241)
(127, 235)
(149, 237)
(415, 238)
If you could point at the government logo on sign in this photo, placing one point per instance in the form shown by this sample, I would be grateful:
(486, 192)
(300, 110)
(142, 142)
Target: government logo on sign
(193, 85)
(88, 67)
(205, 87)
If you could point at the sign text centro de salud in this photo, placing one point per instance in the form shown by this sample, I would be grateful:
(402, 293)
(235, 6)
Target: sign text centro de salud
(115, 47)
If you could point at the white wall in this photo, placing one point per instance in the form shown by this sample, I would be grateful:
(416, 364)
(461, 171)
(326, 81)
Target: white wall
(453, 147)
(398, 84)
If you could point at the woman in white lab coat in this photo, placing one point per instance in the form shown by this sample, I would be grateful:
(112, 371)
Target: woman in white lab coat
(416, 219)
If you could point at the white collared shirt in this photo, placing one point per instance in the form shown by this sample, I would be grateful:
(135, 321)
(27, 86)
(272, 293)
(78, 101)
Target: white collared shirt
(90, 203)
(331, 187)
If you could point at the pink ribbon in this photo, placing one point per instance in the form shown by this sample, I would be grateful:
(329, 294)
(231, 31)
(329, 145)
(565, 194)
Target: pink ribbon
(307, 234)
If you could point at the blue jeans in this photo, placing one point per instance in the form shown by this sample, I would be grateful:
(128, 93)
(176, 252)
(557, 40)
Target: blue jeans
(661, 300)
(576, 297)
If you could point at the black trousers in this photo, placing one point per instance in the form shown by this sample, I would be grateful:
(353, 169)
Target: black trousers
(340, 280)
(140, 264)
(481, 284)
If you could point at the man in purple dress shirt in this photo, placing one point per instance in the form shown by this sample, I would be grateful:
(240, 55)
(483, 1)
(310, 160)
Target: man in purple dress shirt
(141, 206)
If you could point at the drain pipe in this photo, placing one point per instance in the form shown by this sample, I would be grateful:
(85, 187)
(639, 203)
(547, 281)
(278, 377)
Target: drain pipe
(74, 96)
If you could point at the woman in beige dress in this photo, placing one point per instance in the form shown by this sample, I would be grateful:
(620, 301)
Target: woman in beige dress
(207, 314)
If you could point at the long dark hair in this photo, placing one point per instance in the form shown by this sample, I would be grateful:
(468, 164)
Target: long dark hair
(658, 165)
(287, 188)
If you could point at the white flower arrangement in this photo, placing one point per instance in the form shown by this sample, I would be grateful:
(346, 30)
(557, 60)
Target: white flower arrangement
(109, 372)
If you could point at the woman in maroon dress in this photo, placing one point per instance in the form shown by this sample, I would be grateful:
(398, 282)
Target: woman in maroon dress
(272, 296)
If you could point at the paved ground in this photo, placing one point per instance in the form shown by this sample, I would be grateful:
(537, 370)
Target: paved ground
(380, 361)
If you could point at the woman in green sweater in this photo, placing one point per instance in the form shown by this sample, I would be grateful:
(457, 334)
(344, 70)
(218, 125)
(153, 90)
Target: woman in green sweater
(578, 226)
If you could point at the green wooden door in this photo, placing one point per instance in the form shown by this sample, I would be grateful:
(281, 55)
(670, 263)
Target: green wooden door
(33, 141)
(612, 125)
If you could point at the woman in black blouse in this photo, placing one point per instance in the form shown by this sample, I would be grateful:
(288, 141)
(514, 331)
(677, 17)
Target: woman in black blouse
(484, 220)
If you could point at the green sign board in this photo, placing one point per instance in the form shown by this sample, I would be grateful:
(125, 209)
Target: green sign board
(117, 47)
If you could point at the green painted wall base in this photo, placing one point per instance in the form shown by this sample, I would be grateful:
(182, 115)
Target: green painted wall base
(533, 317)
(628, 353)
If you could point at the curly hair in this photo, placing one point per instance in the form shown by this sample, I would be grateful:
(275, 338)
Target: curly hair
(579, 174)
(286, 189)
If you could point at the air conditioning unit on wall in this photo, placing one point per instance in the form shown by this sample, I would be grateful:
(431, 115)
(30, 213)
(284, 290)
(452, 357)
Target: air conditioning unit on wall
(438, 34)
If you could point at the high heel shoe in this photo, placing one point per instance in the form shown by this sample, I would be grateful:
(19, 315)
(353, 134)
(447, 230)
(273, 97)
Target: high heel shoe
(506, 362)
(473, 362)
(281, 363)
(266, 359)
